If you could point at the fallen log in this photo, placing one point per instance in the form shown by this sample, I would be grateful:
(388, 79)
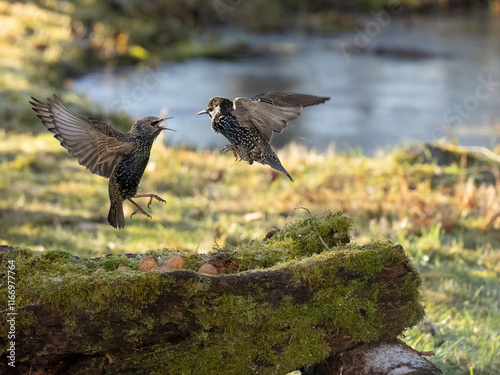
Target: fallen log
(301, 297)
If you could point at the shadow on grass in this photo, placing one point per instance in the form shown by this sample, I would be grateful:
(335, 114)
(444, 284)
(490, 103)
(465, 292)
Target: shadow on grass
(19, 217)
(74, 233)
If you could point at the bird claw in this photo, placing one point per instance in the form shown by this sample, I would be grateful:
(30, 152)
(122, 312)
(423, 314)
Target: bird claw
(151, 196)
(235, 151)
(140, 209)
(142, 212)
(157, 198)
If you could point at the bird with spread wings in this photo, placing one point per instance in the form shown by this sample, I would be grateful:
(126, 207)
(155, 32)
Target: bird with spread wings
(249, 123)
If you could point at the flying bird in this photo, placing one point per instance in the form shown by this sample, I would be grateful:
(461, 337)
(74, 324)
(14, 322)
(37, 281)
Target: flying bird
(105, 151)
(249, 123)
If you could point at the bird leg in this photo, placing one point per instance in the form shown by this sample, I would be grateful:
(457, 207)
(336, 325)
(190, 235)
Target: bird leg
(151, 196)
(139, 209)
(234, 149)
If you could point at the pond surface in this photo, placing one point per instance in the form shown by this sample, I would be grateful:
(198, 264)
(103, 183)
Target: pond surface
(406, 79)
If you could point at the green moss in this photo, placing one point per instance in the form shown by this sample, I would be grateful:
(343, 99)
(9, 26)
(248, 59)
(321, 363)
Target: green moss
(242, 335)
(339, 298)
(302, 238)
(283, 337)
(56, 254)
(112, 262)
(312, 234)
(192, 288)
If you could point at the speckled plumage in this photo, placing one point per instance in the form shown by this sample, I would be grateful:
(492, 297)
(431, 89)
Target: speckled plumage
(105, 151)
(248, 124)
(250, 145)
(124, 181)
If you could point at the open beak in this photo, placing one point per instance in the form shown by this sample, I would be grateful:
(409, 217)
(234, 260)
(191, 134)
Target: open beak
(158, 126)
(202, 112)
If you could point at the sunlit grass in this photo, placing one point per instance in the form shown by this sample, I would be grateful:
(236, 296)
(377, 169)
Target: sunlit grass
(48, 201)
(462, 297)
(211, 194)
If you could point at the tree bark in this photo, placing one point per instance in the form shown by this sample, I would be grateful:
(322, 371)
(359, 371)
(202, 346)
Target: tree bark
(384, 357)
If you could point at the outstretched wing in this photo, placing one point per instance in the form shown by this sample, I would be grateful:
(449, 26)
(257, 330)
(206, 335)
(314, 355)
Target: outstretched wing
(271, 111)
(95, 144)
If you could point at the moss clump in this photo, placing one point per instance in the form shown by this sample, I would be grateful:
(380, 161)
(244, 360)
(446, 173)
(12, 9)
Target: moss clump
(313, 234)
(302, 238)
(56, 254)
(351, 301)
(112, 262)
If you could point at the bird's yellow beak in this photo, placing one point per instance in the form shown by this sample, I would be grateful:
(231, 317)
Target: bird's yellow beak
(202, 112)
(163, 127)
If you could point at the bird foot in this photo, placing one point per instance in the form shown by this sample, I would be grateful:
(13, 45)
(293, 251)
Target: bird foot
(235, 151)
(139, 209)
(151, 196)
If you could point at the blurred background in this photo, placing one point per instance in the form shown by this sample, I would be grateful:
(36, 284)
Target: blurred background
(397, 71)
(392, 81)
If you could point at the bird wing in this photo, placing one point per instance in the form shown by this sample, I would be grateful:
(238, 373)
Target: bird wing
(271, 111)
(95, 144)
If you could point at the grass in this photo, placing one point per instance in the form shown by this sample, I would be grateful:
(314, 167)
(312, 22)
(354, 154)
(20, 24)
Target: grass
(48, 201)
(461, 295)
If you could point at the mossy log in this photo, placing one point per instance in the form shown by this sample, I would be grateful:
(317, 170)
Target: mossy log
(297, 312)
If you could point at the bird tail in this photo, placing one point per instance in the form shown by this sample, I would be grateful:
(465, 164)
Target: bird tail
(115, 215)
(273, 161)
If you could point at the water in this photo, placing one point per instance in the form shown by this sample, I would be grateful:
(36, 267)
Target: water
(418, 79)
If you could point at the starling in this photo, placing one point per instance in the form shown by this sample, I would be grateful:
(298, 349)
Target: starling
(249, 123)
(105, 151)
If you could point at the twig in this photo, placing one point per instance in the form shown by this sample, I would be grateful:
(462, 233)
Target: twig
(428, 353)
(285, 223)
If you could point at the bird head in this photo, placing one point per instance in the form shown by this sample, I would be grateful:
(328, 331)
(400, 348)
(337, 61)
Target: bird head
(149, 126)
(218, 106)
